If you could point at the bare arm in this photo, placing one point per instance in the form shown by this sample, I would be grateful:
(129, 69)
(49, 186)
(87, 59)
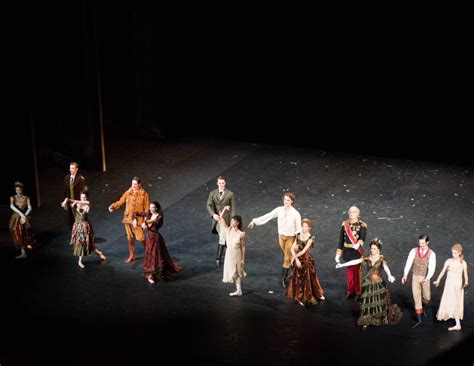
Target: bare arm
(436, 283)
(243, 241)
(466, 278)
(306, 248)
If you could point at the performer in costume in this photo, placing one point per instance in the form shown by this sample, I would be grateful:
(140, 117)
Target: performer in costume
(377, 307)
(452, 301)
(74, 184)
(304, 285)
(82, 235)
(351, 242)
(135, 199)
(157, 262)
(235, 255)
(289, 225)
(217, 200)
(19, 225)
(423, 262)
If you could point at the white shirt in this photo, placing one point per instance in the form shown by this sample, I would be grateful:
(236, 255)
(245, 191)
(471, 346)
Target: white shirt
(431, 263)
(289, 223)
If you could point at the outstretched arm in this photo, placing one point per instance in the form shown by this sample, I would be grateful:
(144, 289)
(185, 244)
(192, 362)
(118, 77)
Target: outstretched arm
(116, 205)
(264, 219)
(350, 263)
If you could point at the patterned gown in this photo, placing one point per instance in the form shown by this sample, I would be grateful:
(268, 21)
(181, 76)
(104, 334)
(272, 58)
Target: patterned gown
(304, 285)
(22, 234)
(377, 307)
(82, 236)
(157, 260)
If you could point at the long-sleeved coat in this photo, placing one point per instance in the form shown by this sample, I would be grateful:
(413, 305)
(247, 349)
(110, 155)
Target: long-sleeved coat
(134, 202)
(215, 205)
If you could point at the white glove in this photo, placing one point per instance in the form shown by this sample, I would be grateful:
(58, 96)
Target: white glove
(338, 265)
(356, 246)
(337, 258)
(391, 279)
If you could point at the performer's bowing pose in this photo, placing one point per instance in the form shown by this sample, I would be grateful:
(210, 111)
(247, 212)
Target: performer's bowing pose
(351, 242)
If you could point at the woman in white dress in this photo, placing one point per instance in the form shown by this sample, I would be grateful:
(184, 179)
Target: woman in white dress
(235, 254)
(452, 300)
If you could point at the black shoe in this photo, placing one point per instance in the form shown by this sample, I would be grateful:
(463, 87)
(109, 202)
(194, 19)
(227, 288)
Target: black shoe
(284, 275)
(418, 321)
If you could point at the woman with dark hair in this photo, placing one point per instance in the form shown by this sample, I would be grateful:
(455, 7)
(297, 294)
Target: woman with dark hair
(20, 227)
(377, 307)
(82, 236)
(157, 261)
(235, 255)
(304, 285)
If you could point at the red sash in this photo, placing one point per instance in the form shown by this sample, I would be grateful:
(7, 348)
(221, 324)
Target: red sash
(350, 235)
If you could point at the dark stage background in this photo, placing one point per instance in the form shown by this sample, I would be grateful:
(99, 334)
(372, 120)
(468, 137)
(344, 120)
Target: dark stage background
(339, 104)
(388, 83)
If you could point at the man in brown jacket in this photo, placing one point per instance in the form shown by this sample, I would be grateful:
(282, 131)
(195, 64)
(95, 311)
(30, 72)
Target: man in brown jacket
(135, 200)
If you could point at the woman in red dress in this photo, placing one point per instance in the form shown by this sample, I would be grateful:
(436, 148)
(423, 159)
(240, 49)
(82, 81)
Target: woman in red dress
(157, 262)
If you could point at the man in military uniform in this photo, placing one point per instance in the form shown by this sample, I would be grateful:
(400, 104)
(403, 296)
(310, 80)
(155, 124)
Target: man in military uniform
(217, 200)
(351, 242)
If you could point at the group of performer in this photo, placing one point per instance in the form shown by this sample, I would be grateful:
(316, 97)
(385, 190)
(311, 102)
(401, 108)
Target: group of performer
(299, 273)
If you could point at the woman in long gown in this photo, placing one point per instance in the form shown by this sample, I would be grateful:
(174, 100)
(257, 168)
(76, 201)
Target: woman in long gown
(157, 262)
(82, 235)
(20, 228)
(377, 307)
(234, 260)
(304, 286)
(452, 300)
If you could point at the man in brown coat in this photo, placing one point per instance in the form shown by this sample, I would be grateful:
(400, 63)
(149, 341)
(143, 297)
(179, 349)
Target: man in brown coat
(74, 184)
(135, 200)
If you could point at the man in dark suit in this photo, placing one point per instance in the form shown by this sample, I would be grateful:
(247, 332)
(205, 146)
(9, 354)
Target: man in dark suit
(218, 199)
(74, 184)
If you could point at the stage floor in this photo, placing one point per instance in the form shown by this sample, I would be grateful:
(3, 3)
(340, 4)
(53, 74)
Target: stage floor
(53, 311)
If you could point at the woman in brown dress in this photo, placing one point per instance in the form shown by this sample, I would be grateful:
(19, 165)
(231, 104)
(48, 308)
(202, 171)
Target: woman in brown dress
(377, 307)
(157, 261)
(304, 285)
(20, 227)
(82, 236)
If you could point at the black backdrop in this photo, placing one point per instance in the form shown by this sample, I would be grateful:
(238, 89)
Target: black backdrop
(379, 81)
